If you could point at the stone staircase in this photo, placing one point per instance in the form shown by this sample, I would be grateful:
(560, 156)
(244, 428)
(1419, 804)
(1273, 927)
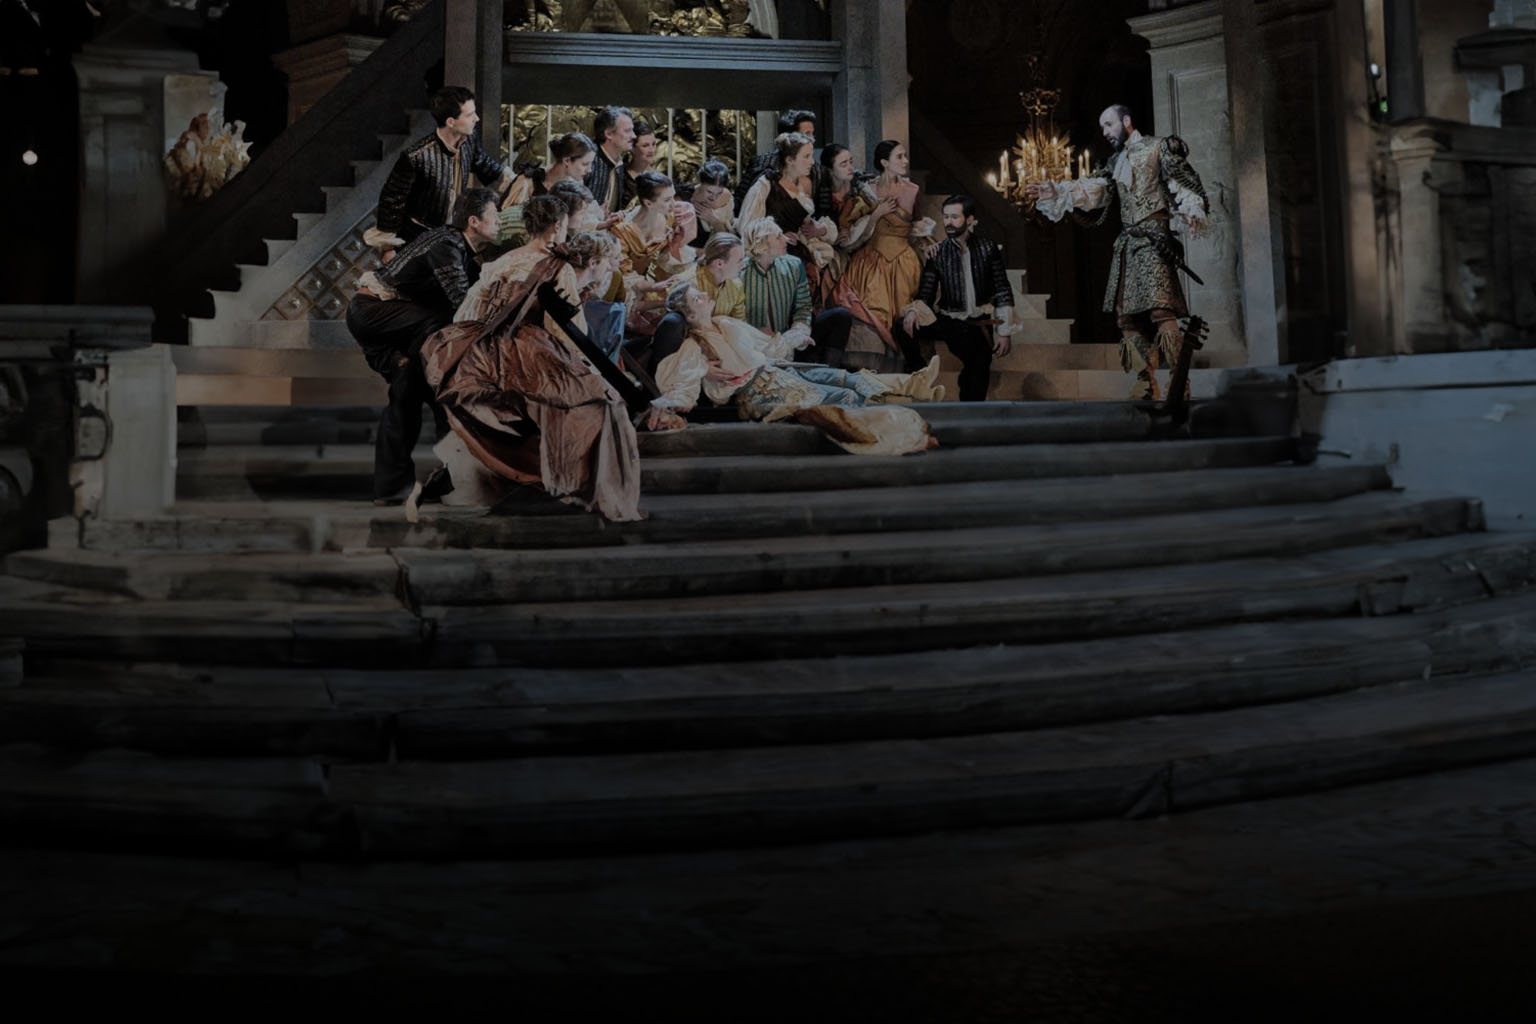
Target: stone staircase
(1038, 682)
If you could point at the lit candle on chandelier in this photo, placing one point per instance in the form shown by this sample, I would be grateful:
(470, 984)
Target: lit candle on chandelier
(1002, 167)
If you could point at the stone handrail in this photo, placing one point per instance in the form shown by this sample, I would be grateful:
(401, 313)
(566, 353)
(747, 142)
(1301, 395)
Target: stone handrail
(286, 176)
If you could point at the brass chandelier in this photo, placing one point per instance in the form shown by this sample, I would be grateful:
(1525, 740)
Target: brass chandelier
(1041, 153)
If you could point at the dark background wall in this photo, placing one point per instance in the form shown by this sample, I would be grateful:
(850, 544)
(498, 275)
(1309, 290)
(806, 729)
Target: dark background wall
(970, 59)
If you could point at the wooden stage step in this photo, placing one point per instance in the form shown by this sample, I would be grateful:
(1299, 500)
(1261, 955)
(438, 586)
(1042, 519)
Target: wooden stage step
(337, 471)
(299, 525)
(955, 424)
(427, 576)
(1373, 579)
(615, 803)
(483, 714)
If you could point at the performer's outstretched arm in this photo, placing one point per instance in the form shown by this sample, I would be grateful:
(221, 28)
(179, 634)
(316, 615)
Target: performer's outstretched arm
(1054, 200)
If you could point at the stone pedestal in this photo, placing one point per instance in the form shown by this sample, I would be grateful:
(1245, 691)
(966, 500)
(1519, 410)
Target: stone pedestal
(1415, 237)
(1189, 97)
(135, 474)
(123, 193)
(87, 417)
(1424, 416)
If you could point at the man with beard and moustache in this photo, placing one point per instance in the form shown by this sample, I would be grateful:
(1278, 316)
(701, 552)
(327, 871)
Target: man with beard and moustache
(1156, 187)
(964, 288)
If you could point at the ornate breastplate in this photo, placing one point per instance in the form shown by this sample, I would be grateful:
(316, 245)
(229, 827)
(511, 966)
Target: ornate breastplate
(1145, 194)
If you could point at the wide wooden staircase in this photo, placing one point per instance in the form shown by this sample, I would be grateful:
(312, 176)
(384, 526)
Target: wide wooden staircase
(1053, 678)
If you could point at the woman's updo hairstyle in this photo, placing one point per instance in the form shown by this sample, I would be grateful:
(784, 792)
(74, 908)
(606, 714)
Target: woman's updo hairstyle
(883, 150)
(650, 184)
(573, 146)
(541, 213)
(785, 147)
(585, 248)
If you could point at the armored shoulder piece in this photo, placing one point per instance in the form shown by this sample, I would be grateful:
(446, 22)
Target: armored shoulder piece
(1176, 168)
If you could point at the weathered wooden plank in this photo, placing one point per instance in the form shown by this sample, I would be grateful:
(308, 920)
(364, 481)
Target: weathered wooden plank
(459, 577)
(294, 525)
(1375, 579)
(342, 469)
(944, 693)
(250, 632)
(248, 576)
(784, 794)
(75, 720)
(1440, 837)
(997, 462)
(484, 714)
(1136, 768)
(941, 506)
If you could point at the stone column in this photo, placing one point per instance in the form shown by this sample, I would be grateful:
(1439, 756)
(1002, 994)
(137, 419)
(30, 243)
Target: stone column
(472, 57)
(869, 97)
(1262, 307)
(1189, 99)
(1358, 161)
(1405, 65)
(1418, 286)
(123, 192)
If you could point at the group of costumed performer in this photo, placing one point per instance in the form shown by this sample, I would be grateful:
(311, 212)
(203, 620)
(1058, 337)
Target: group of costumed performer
(519, 357)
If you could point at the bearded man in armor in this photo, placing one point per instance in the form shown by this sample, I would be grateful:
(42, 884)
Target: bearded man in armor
(1156, 189)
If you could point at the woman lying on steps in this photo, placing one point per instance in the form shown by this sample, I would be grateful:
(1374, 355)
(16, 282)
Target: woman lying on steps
(730, 361)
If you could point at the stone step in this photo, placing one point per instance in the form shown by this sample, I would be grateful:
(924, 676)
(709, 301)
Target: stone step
(1372, 579)
(347, 470)
(215, 526)
(436, 577)
(1034, 357)
(480, 714)
(271, 362)
(1038, 333)
(276, 247)
(1170, 765)
(238, 389)
(307, 221)
(439, 577)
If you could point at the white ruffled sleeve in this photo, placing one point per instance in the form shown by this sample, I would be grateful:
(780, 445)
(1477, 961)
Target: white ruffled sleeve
(679, 377)
(754, 205)
(1189, 206)
(1079, 194)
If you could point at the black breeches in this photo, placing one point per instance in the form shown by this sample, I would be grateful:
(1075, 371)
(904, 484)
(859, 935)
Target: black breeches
(390, 334)
(967, 340)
